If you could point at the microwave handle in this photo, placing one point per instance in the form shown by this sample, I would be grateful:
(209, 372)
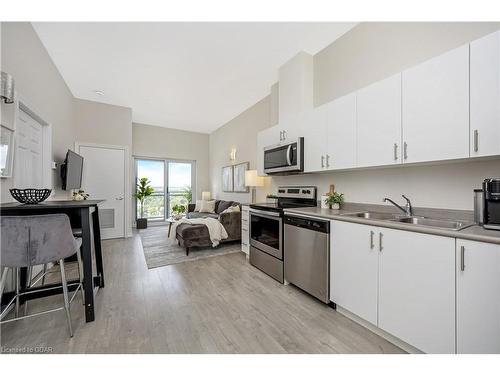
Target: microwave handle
(289, 154)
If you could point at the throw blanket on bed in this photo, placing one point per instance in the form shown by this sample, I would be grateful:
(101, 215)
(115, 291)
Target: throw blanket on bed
(216, 230)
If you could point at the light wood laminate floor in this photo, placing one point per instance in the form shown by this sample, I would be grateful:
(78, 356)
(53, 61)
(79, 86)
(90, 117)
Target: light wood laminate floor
(217, 305)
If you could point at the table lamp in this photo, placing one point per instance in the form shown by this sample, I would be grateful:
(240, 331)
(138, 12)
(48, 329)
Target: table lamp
(205, 195)
(253, 180)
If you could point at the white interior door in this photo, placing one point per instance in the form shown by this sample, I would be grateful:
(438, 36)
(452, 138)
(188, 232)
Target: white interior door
(29, 153)
(104, 178)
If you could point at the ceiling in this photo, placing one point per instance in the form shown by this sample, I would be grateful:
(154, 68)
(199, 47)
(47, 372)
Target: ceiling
(189, 76)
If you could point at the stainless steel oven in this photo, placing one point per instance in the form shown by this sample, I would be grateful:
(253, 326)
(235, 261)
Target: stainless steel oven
(266, 242)
(266, 232)
(284, 158)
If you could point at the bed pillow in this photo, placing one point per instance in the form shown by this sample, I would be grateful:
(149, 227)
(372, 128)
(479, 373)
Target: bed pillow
(208, 206)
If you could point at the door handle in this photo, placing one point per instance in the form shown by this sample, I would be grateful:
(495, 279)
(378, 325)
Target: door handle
(395, 151)
(462, 258)
(322, 161)
(380, 247)
(372, 245)
(405, 150)
(119, 198)
(476, 140)
(327, 161)
(289, 155)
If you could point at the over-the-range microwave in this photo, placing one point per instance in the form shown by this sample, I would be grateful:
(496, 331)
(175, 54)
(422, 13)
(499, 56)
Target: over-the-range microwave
(285, 158)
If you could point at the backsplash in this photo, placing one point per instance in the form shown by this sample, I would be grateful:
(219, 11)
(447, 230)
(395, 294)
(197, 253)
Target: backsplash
(437, 186)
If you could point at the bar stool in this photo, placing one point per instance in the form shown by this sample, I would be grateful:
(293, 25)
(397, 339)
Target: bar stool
(27, 241)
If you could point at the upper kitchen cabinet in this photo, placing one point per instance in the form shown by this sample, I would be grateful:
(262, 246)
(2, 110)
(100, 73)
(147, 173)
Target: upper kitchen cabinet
(314, 129)
(379, 123)
(485, 96)
(436, 108)
(478, 297)
(341, 133)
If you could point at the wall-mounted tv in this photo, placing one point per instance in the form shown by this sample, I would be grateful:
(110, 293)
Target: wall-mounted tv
(71, 171)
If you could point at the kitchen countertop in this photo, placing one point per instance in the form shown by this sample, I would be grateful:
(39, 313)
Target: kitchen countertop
(473, 233)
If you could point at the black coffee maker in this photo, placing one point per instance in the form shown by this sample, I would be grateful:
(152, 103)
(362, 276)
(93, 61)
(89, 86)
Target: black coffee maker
(491, 207)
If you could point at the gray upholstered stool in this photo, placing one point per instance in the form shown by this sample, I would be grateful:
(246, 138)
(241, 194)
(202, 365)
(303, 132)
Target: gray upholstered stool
(27, 241)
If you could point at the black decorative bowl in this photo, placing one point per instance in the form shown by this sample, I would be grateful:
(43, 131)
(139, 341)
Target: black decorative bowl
(30, 196)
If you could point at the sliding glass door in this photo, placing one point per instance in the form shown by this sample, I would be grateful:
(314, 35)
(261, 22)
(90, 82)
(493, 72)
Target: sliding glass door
(177, 176)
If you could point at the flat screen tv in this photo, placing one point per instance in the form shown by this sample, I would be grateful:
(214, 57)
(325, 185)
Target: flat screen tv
(71, 171)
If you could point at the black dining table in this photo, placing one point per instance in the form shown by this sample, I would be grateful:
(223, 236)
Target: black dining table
(84, 216)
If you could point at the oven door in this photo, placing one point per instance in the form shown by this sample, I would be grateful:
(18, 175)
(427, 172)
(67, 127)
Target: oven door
(284, 158)
(266, 232)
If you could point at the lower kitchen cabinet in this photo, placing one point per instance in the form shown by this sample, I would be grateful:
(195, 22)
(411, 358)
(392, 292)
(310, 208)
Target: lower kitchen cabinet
(478, 297)
(245, 236)
(417, 289)
(354, 269)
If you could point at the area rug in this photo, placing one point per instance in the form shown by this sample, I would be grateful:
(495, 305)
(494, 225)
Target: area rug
(159, 250)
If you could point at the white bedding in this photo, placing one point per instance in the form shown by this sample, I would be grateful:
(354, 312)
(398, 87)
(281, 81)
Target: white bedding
(216, 230)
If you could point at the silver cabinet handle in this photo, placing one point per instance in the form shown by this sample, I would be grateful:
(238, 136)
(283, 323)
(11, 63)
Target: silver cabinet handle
(476, 140)
(405, 150)
(462, 258)
(281, 136)
(380, 247)
(284, 135)
(372, 245)
(395, 151)
(119, 198)
(327, 160)
(322, 161)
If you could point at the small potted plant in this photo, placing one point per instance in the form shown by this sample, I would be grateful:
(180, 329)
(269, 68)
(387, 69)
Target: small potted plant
(178, 210)
(143, 191)
(271, 198)
(80, 195)
(333, 200)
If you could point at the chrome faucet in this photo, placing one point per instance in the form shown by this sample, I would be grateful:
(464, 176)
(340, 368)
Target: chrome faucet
(408, 210)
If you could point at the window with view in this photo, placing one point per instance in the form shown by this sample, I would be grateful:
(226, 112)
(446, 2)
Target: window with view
(176, 176)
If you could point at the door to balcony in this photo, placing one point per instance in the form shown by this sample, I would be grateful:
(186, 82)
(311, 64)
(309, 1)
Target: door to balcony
(173, 182)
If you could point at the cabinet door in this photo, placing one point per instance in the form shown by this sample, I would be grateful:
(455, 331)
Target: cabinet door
(266, 138)
(417, 289)
(478, 297)
(379, 123)
(354, 269)
(485, 96)
(313, 129)
(436, 108)
(341, 132)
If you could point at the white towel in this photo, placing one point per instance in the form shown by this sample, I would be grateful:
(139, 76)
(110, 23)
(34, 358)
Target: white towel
(216, 230)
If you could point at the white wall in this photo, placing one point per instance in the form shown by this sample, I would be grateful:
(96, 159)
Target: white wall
(438, 186)
(241, 134)
(158, 142)
(39, 83)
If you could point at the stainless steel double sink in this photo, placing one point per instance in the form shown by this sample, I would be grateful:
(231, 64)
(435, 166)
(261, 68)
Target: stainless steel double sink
(455, 225)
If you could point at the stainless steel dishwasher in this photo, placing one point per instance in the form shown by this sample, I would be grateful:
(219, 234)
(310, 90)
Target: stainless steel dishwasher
(307, 254)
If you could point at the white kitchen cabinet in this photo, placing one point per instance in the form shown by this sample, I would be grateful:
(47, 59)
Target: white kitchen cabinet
(416, 300)
(485, 96)
(379, 123)
(478, 297)
(314, 130)
(245, 226)
(341, 133)
(354, 269)
(435, 108)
